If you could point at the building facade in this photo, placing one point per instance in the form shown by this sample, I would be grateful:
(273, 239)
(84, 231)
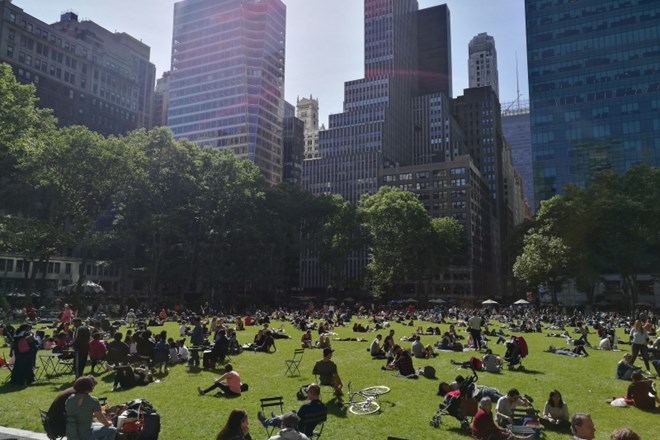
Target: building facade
(594, 84)
(307, 110)
(227, 78)
(517, 132)
(482, 62)
(161, 97)
(293, 146)
(455, 189)
(88, 75)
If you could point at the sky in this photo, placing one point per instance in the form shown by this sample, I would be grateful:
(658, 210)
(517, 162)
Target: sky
(324, 41)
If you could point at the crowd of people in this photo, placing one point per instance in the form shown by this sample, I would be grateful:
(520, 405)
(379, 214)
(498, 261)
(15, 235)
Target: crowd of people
(139, 352)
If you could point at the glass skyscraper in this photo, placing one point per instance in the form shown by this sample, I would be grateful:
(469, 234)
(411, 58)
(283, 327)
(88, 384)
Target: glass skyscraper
(594, 81)
(227, 78)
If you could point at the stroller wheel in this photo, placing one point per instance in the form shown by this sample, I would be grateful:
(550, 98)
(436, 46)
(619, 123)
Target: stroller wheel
(465, 425)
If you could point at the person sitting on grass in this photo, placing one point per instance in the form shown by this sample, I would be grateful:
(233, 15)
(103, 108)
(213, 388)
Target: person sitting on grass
(313, 408)
(483, 427)
(625, 368)
(555, 413)
(306, 339)
(403, 363)
(642, 392)
(229, 383)
(506, 404)
(492, 363)
(327, 372)
(236, 428)
(375, 349)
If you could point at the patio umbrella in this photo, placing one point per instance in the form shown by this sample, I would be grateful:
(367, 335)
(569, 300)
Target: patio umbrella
(410, 300)
(521, 302)
(437, 301)
(331, 299)
(489, 301)
(87, 287)
(349, 299)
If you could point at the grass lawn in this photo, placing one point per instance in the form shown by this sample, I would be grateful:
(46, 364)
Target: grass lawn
(405, 412)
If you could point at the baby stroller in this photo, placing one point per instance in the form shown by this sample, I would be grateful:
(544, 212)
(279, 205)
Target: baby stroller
(516, 350)
(462, 406)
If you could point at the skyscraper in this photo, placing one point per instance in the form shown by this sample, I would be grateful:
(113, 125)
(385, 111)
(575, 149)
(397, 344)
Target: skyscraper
(227, 78)
(594, 82)
(87, 74)
(482, 62)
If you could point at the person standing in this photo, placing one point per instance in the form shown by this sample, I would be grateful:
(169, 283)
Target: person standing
(81, 407)
(638, 339)
(196, 340)
(80, 346)
(474, 324)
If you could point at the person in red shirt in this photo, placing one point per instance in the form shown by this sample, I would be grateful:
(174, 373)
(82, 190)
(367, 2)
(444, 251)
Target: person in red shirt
(97, 350)
(484, 428)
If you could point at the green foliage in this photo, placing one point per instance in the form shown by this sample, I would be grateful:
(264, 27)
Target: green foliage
(404, 242)
(609, 227)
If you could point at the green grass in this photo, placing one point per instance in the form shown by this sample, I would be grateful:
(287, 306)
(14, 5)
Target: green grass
(584, 382)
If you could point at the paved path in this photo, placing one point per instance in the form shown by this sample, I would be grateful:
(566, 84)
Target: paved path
(19, 434)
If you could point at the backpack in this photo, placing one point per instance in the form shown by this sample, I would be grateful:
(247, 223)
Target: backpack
(522, 344)
(476, 364)
(429, 372)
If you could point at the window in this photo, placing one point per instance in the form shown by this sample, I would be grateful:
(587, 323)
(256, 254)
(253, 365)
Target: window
(67, 268)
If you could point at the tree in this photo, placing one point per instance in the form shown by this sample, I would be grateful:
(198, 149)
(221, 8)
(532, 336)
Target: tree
(341, 235)
(404, 244)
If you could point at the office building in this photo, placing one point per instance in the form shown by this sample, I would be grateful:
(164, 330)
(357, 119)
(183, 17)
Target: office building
(307, 110)
(88, 75)
(482, 62)
(594, 84)
(161, 97)
(227, 78)
(517, 132)
(293, 146)
(456, 189)
(434, 51)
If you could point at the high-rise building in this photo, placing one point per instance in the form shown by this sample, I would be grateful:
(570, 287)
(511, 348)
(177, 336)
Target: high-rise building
(307, 110)
(482, 62)
(516, 129)
(293, 145)
(161, 96)
(88, 75)
(594, 84)
(434, 51)
(227, 78)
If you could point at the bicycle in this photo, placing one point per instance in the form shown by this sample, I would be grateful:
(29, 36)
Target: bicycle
(365, 401)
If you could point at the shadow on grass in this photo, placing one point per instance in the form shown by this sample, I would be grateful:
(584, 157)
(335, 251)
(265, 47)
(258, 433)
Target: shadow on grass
(526, 371)
(336, 407)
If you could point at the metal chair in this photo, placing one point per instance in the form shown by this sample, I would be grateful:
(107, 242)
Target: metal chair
(315, 420)
(45, 421)
(269, 403)
(293, 364)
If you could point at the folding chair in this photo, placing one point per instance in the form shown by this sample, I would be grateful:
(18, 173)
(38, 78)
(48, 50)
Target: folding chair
(315, 420)
(293, 364)
(270, 402)
(45, 421)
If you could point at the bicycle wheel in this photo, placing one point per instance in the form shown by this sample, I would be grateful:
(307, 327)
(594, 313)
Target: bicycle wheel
(377, 390)
(364, 407)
